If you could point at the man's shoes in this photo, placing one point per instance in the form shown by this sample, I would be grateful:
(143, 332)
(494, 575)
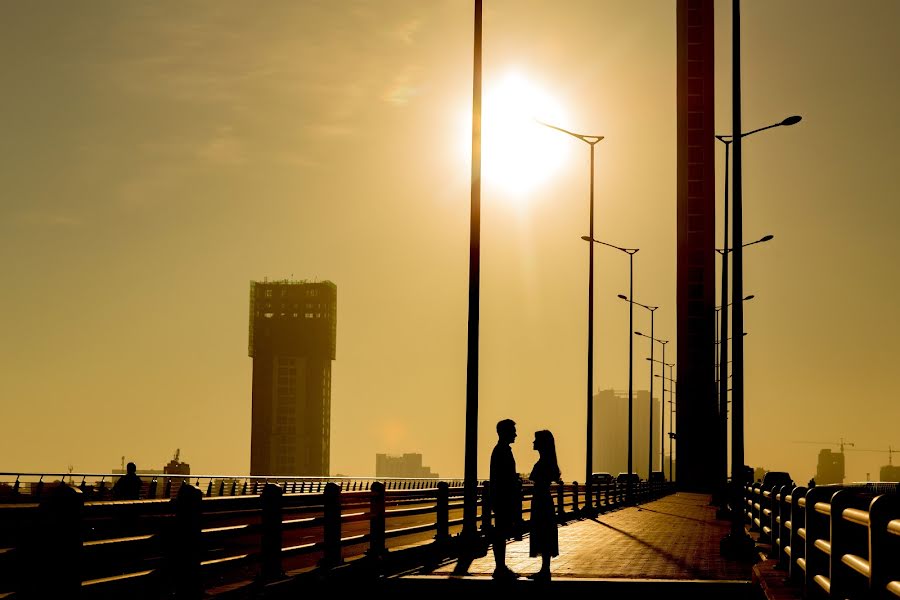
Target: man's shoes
(540, 576)
(504, 573)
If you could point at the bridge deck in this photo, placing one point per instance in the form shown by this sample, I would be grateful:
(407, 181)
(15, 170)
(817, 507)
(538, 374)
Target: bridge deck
(674, 538)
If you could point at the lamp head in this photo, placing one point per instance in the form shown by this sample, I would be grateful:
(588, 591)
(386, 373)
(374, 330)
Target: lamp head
(586, 238)
(638, 333)
(623, 296)
(766, 238)
(792, 120)
(749, 297)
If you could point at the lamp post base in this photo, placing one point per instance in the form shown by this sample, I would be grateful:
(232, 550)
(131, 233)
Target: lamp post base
(738, 546)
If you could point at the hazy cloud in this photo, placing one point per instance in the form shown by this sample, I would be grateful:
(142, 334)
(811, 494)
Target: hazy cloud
(224, 148)
(403, 88)
(49, 219)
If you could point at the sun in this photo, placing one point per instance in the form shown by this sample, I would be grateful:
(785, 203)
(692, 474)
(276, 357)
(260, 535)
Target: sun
(519, 154)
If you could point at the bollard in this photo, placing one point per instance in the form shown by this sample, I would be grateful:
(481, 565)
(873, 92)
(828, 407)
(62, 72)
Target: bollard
(52, 557)
(271, 537)
(560, 502)
(186, 543)
(575, 497)
(486, 507)
(332, 534)
(222, 487)
(151, 491)
(168, 492)
(376, 522)
(442, 509)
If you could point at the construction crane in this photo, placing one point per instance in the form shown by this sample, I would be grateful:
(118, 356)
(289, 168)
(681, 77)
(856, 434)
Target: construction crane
(890, 452)
(842, 443)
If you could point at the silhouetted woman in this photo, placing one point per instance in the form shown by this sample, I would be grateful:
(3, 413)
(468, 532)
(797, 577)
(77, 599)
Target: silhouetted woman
(544, 539)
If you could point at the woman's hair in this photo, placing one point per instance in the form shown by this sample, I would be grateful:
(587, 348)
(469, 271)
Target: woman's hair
(546, 446)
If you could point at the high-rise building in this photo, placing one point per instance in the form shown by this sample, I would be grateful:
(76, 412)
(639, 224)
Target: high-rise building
(830, 468)
(403, 465)
(889, 472)
(292, 343)
(610, 448)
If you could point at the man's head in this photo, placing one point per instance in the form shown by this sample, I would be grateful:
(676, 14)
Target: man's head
(131, 468)
(506, 431)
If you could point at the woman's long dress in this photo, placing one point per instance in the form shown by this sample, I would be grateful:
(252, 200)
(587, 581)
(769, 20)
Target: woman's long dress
(544, 538)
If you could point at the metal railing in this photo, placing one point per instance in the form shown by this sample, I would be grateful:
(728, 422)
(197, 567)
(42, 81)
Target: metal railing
(835, 541)
(30, 487)
(201, 540)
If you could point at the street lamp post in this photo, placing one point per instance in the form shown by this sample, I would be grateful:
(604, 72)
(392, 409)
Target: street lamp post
(737, 542)
(723, 351)
(592, 141)
(723, 420)
(470, 488)
(662, 401)
(630, 252)
(652, 309)
(672, 384)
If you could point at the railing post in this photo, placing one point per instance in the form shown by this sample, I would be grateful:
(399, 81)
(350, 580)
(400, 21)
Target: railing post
(883, 545)
(186, 542)
(53, 559)
(332, 534)
(486, 508)
(377, 547)
(443, 512)
(270, 559)
(575, 497)
(560, 502)
(151, 490)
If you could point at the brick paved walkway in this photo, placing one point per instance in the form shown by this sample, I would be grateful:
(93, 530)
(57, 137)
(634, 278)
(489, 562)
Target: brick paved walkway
(674, 538)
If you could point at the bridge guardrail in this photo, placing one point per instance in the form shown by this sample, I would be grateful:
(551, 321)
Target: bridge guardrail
(196, 541)
(837, 541)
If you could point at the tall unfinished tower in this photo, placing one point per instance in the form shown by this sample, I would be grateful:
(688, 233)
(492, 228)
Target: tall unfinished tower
(293, 328)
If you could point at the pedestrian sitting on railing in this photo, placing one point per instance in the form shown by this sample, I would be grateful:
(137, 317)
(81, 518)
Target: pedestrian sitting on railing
(128, 487)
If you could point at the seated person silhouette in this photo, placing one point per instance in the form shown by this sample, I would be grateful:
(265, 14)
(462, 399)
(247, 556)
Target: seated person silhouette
(128, 487)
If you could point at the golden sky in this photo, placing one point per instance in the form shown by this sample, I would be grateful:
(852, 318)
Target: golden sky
(157, 156)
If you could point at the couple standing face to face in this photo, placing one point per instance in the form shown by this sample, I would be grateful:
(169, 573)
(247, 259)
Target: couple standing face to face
(506, 432)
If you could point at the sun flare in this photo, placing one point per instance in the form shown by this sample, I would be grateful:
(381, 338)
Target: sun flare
(519, 154)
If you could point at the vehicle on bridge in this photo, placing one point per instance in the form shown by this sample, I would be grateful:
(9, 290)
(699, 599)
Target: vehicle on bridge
(602, 477)
(626, 477)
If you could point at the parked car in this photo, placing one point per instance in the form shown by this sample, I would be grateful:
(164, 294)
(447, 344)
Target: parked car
(624, 477)
(601, 477)
(778, 478)
(657, 476)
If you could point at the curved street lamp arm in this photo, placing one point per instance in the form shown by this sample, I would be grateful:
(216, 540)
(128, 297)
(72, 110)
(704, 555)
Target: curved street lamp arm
(625, 250)
(625, 298)
(727, 139)
(590, 139)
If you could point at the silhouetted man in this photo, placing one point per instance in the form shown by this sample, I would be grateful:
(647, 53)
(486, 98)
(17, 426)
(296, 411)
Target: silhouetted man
(504, 489)
(128, 487)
